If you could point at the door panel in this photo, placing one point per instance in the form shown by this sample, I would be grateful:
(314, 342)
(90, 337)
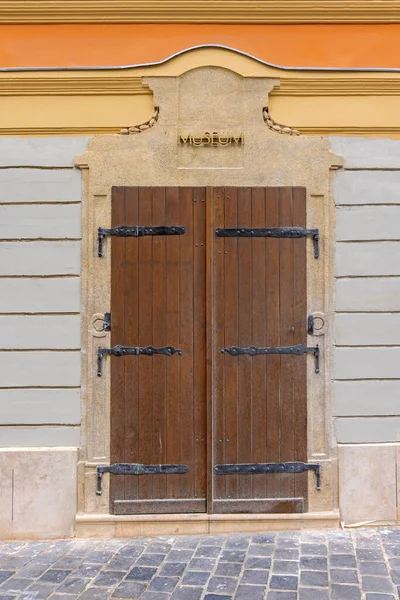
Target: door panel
(202, 293)
(158, 402)
(260, 300)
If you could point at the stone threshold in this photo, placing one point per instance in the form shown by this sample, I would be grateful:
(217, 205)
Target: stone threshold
(106, 526)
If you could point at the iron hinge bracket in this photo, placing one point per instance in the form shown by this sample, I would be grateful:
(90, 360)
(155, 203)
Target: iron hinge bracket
(132, 350)
(297, 350)
(272, 232)
(136, 231)
(264, 468)
(136, 469)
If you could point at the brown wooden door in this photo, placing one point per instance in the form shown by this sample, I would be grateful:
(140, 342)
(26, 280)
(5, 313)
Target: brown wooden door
(158, 402)
(259, 300)
(202, 293)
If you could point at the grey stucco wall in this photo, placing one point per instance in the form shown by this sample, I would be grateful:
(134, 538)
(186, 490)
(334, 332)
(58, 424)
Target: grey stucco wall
(367, 323)
(40, 263)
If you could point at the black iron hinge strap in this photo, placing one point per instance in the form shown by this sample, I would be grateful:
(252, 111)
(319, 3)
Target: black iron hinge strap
(272, 232)
(137, 231)
(297, 350)
(137, 469)
(264, 468)
(132, 350)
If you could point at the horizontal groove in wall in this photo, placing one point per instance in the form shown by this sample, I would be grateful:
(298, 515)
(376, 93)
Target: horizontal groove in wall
(42, 387)
(40, 239)
(199, 11)
(55, 203)
(59, 276)
(355, 346)
(367, 276)
(41, 314)
(371, 168)
(369, 379)
(32, 350)
(338, 86)
(380, 241)
(34, 167)
(380, 204)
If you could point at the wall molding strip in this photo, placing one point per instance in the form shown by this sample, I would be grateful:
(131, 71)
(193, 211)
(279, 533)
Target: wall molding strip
(199, 11)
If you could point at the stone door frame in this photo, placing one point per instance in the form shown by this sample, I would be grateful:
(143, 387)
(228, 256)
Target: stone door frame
(154, 157)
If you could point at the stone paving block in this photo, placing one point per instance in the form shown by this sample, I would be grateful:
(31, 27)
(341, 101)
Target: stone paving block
(395, 575)
(151, 560)
(258, 550)
(239, 542)
(283, 582)
(212, 540)
(130, 551)
(255, 577)
(159, 547)
(257, 562)
(124, 590)
(4, 597)
(178, 555)
(216, 597)
(68, 562)
(250, 592)
(394, 563)
(163, 584)
(141, 573)
(368, 554)
(63, 596)
(14, 562)
(286, 553)
(371, 583)
(373, 596)
(172, 569)
(195, 578)
(32, 570)
(154, 596)
(207, 552)
(289, 567)
(313, 563)
(40, 591)
(87, 571)
(229, 569)
(190, 542)
(342, 561)
(314, 578)
(281, 595)
(222, 585)
(345, 592)
(339, 547)
(187, 593)
(108, 578)
(344, 576)
(16, 584)
(313, 594)
(264, 538)
(7, 574)
(391, 550)
(287, 543)
(72, 585)
(98, 557)
(314, 549)
(119, 563)
(372, 568)
(202, 564)
(233, 556)
(54, 576)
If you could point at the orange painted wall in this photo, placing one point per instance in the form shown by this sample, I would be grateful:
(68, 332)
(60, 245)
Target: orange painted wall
(349, 46)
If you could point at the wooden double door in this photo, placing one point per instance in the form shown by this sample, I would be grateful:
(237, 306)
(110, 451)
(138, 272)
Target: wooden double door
(193, 417)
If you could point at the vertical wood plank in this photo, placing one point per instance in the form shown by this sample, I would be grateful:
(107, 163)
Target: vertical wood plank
(199, 343)
(131, 336)
(219, 342)
(186, 400)
(286, 278)
(231, 363)
(300, 337)
(172, 300)
(145, 293)
(258, 337)
(159, 362)
(245, 362)
(273, 338)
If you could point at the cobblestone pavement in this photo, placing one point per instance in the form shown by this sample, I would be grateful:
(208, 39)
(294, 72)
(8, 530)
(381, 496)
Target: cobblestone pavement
(313, 565)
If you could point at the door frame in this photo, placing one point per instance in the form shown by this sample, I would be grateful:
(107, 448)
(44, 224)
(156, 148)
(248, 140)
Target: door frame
(302, 161)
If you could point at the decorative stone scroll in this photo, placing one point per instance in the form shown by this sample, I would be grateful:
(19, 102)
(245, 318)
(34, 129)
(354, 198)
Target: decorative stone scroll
(275, 126)
(140, 128)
